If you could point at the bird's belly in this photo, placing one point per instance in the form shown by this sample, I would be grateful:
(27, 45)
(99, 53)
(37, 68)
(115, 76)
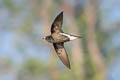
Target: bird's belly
(59, 39)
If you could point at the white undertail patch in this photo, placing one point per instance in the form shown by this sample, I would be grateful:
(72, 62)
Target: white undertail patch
(69, 36)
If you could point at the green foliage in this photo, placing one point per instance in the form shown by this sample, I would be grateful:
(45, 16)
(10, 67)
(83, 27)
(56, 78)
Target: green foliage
(34, 66)
(36, 69)
(11, 6)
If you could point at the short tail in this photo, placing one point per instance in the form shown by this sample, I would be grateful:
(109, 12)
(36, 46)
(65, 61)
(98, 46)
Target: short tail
(78, 36)
(72, 37)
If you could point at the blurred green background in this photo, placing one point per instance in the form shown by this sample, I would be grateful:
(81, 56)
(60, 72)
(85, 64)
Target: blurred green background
(25, 56)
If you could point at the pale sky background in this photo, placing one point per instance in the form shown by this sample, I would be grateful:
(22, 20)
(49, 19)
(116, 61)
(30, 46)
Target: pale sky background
(110, 14)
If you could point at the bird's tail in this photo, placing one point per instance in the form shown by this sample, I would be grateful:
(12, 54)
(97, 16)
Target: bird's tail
(77, 36)
(72, 37)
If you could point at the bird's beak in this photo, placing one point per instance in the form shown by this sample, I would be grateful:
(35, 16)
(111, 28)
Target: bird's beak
(43, 38)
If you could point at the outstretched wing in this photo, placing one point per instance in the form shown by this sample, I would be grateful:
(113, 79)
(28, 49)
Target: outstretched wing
(57, 24)
(61, 52)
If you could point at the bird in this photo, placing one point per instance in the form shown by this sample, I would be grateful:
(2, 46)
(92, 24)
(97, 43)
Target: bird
(58, 38)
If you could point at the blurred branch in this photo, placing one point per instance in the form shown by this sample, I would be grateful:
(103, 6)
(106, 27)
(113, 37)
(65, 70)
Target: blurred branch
(77, 51)
(46, 5)
(93, 48)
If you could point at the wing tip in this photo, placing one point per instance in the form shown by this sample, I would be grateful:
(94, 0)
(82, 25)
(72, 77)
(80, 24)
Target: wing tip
(61, 13)
(68, 66)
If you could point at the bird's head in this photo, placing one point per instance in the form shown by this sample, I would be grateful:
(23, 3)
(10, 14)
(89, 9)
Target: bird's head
(44, 37)
(48, 38)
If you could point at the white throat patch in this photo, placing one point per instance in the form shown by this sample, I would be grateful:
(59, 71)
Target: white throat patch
(69, 36)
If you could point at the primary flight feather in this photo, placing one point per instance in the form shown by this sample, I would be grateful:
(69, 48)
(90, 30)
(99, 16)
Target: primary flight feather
(58, 37)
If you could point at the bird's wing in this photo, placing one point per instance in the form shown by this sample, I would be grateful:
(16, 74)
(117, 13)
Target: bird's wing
(57, 24)
(61, 52)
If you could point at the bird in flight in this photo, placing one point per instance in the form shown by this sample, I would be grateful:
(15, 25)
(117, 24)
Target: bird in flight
(58, 37)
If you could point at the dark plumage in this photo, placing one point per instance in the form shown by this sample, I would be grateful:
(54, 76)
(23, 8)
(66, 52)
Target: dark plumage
(58, 37)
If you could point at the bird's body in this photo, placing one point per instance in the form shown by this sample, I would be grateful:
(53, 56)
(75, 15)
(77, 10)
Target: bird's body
(58, 37)
(62, 37)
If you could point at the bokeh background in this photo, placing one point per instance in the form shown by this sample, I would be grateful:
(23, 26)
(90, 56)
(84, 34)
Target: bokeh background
(24, 55)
